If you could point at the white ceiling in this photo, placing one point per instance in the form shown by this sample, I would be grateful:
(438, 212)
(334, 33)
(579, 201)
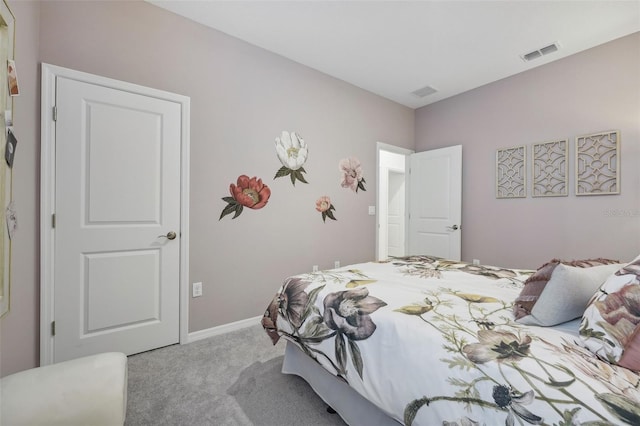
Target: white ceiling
(393, 48)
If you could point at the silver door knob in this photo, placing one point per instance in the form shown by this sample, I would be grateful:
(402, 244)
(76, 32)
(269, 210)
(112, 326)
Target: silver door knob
(170, 235)
(452, 228)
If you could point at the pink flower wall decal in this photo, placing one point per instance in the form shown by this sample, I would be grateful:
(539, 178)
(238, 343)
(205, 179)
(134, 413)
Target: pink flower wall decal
(352, 174)
(247, 192)
(324, 206)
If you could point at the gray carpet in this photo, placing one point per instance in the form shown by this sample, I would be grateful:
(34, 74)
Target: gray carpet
(232, 379)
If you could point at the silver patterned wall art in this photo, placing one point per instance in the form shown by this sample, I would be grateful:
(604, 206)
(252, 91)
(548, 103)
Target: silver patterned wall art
(549, 169)
(598, 163)
(511, 174)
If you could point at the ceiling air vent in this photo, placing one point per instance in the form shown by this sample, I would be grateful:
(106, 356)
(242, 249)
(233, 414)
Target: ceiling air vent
(540, 52)
(425, 91)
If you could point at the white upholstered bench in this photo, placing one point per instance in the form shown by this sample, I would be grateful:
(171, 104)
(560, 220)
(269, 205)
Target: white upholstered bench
(90, 390)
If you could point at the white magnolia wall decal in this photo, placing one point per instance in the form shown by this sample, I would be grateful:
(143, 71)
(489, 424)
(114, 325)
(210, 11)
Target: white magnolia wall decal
(292, 152)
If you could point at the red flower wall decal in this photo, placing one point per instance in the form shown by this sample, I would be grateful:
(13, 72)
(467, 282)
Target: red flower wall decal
(248, 192)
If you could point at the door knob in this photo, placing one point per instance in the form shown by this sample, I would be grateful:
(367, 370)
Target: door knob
(170, 235)
(452, 228)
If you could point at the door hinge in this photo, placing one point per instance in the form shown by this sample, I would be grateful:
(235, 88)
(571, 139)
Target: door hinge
(53, 328)
(55, 113)
(53, 220)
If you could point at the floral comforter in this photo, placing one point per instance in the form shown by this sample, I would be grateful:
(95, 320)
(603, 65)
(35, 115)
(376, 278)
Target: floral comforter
(432, 341)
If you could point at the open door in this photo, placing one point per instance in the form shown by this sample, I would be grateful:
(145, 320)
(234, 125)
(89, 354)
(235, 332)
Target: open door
(435, 202)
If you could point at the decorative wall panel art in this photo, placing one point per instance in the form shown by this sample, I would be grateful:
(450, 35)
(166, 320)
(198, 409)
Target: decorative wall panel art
(247, 192)
(511, 174)
(292, 152)
(352, 174)
(549, 169)
(598, 163)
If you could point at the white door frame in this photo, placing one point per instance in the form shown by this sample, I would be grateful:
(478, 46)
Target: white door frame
(380, 146)
(48, 196)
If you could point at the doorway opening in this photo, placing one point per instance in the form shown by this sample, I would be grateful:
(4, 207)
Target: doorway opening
(391, 200)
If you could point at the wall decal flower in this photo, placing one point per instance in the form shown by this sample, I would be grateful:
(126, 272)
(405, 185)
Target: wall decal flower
(324, 206)
(292, 152)
(248, 192)
(352, 174)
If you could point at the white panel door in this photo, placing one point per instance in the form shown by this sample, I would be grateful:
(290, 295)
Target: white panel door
(435, 191)
(396, 214)
(117, 207)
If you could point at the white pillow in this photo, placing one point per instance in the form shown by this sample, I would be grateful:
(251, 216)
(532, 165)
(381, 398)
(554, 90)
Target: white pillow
(567, 294)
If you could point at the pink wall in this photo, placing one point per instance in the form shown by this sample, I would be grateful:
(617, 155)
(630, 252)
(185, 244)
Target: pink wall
(596, 90)
(19, 329)
(242, 97)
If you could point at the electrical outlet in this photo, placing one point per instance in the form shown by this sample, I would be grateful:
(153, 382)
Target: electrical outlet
(315, 268)
(196, 291)
(476, 261)
(336, 264)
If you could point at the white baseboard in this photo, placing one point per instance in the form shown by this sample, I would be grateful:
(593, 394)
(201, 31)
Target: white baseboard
(222, 329)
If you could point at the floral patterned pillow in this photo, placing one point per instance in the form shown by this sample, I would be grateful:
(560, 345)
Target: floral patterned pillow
(610, 325)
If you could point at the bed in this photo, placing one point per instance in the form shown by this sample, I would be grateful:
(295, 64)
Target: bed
(422, 340)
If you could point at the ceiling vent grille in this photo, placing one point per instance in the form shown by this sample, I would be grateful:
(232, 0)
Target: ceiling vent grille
(425, 91)
(535, 54)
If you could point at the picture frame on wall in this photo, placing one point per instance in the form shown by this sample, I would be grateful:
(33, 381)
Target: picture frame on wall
(12, 78)
(549, 172)
(597, 166)
(511, 172)
(7, 46)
